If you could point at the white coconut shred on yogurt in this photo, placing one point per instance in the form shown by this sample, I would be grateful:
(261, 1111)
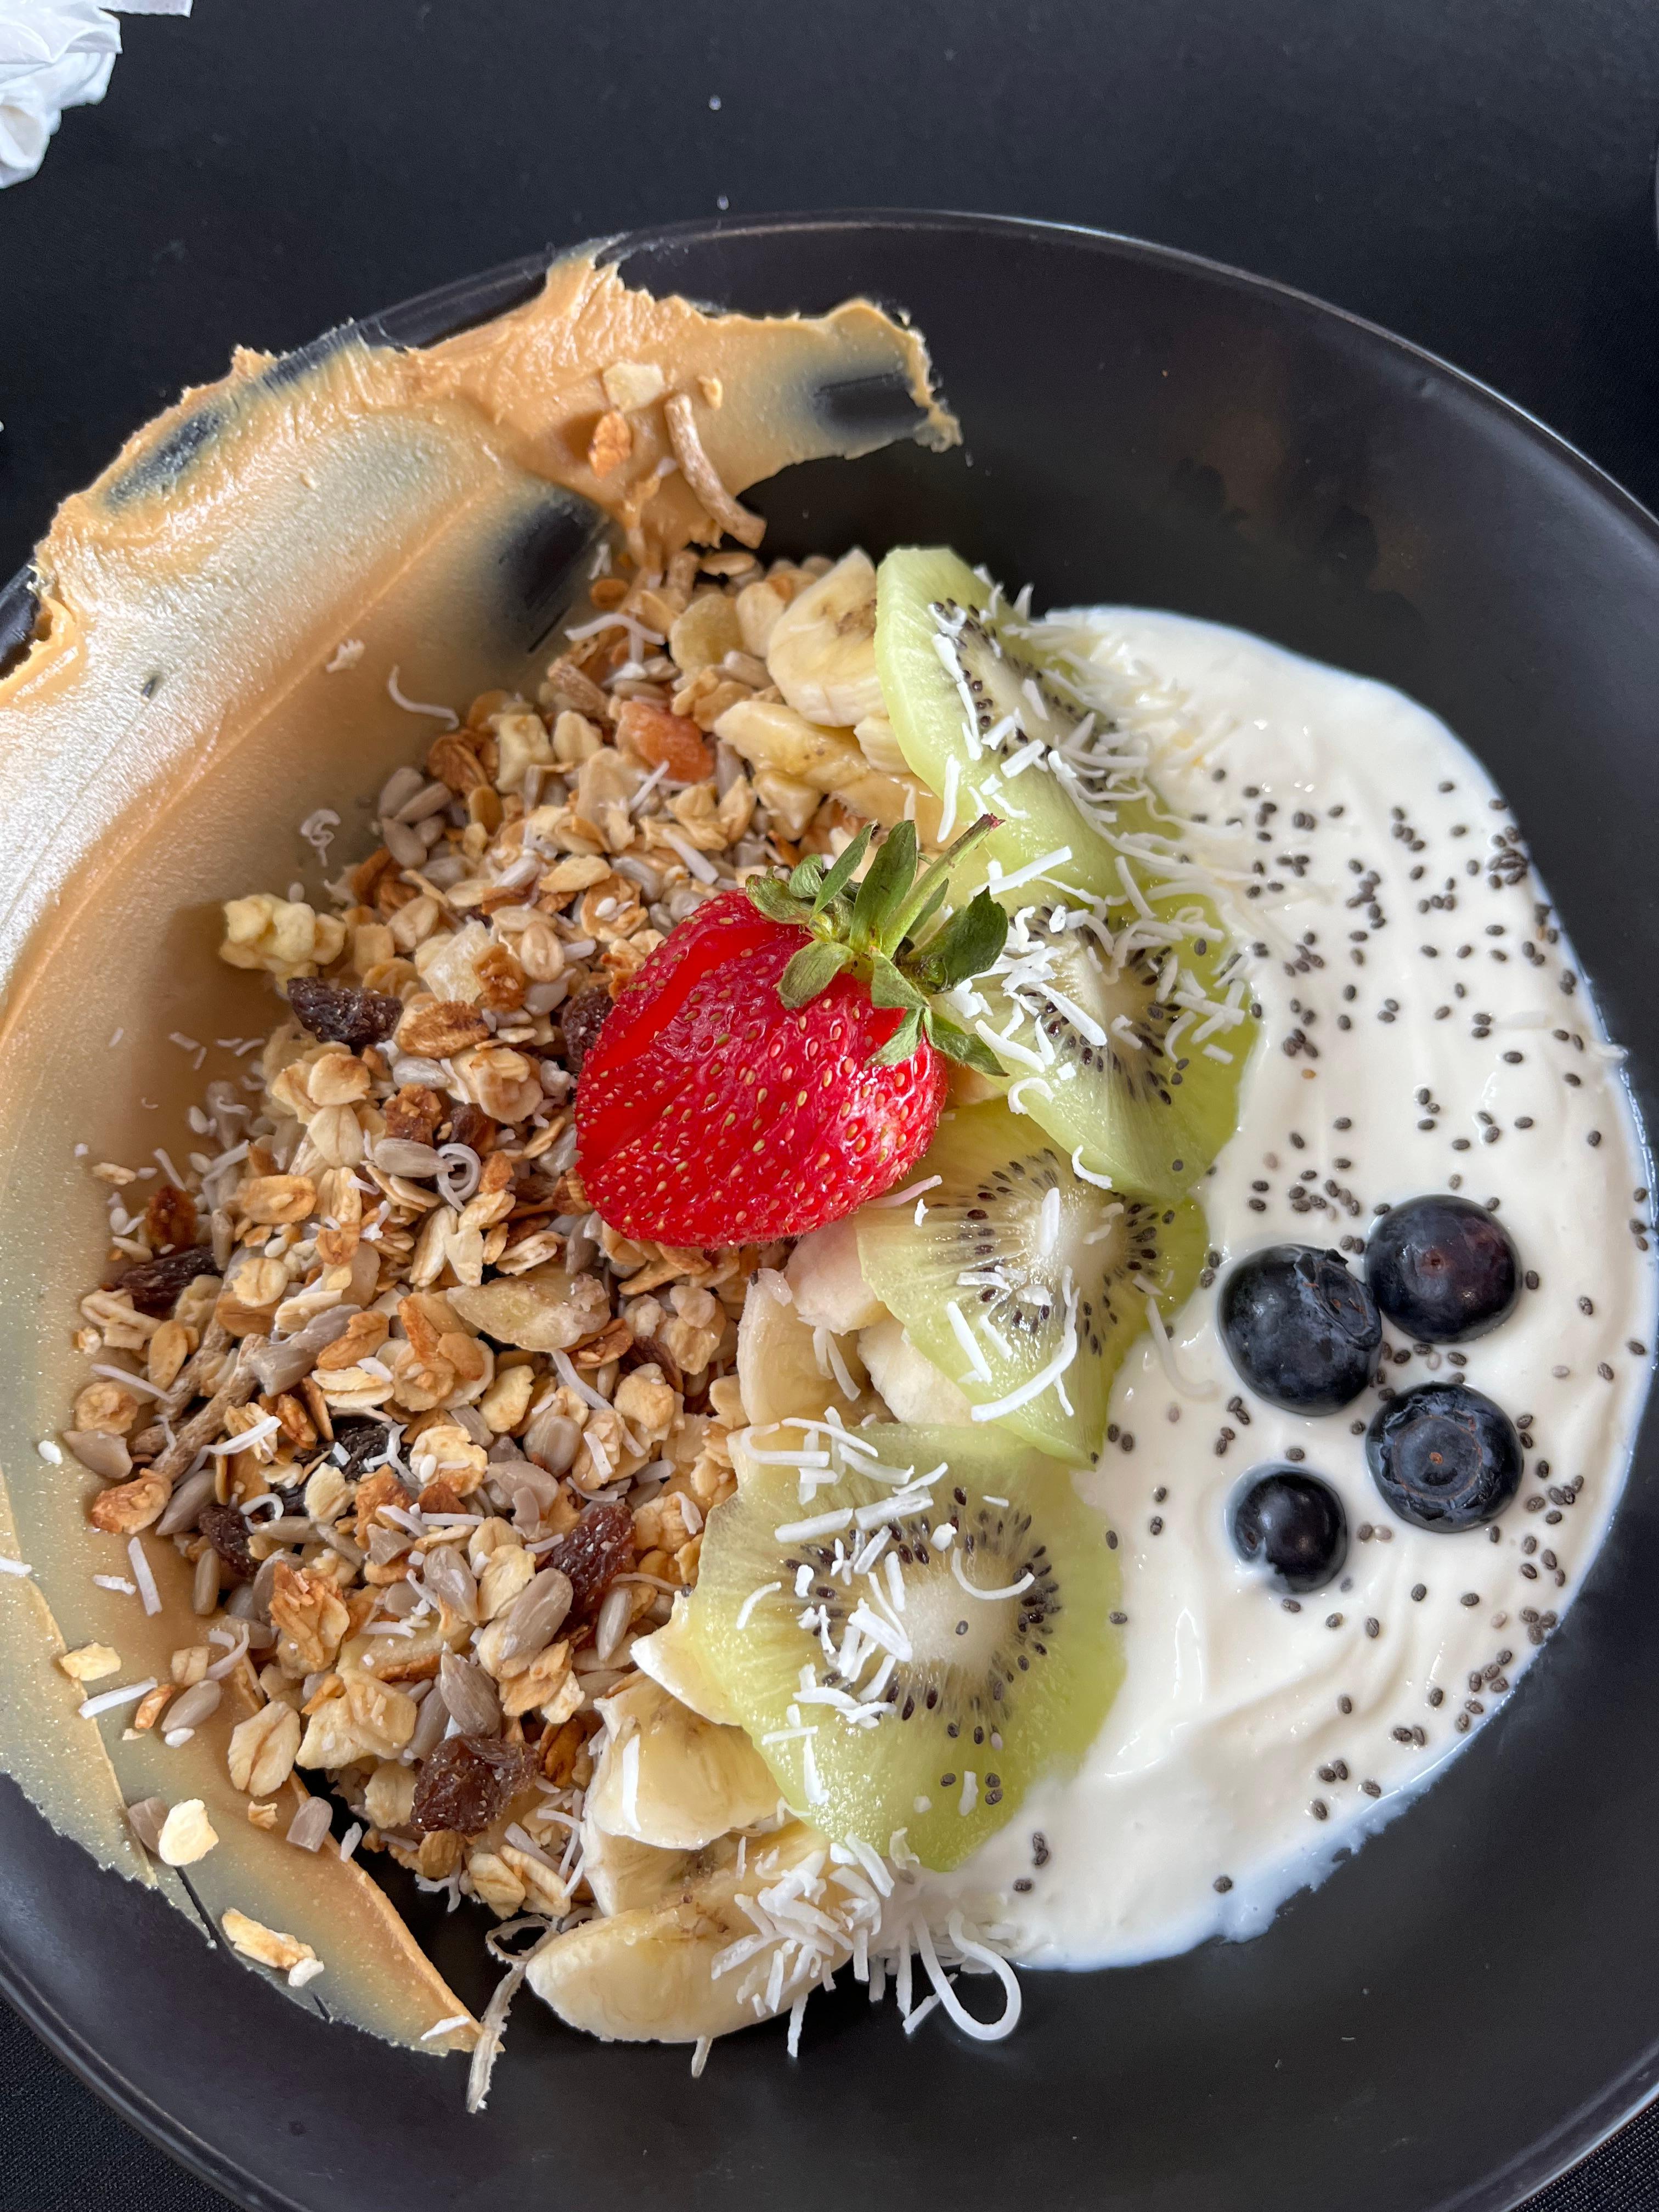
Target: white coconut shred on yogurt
(1424, 1028)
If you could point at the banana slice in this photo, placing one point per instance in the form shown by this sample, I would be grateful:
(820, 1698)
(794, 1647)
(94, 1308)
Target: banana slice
(669, 1657)
(879, 743)
(778, 743)
(787, 1367)
(827, 1282)
(915, 1390)
(628, 1877)
(649, 1976)
(821, 651)
(668, 1778)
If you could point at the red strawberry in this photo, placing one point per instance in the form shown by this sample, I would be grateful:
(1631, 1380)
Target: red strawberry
(777, 1062)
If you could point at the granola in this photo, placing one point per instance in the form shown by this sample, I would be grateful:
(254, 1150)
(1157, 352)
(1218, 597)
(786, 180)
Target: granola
(437, 1442)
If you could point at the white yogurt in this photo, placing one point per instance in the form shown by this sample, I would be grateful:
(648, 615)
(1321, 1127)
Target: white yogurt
(1251, 1742)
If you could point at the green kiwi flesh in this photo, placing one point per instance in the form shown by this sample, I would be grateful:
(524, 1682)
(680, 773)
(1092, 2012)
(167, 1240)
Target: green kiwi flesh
(984, 1695)
(948, 649)
(1034, 1259)
(1143, 1054)
(927, 599)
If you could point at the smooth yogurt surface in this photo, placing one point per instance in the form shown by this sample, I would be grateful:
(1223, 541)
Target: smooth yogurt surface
(1424, 1028)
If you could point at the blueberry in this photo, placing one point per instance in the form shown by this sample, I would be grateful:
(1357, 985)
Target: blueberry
(1293, 1524)
(1443, 1269)
(1301, 1330)
(1444, 1457)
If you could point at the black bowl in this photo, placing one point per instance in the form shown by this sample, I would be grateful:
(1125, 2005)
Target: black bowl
(1469, 2005)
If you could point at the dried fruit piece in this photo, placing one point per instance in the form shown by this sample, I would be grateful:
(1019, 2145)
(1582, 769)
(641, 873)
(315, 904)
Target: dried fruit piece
(584, 1017)
(360, 1439)
(467, 1782)
(594, 1553)
(413, 1116)
(226, 1529)
(170, 1219)
(154, 1284)
(470, 1125)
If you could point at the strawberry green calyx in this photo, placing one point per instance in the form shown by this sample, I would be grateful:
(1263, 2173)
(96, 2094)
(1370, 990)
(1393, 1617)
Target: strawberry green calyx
(880, 929)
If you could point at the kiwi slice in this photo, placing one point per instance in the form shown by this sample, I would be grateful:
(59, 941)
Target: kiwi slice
(1142, 1049)
(1134, 1015)
(912, 1624)
(1023, 1282)
(967, 693)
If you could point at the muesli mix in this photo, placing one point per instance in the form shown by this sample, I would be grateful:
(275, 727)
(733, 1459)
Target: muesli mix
(438, 1442)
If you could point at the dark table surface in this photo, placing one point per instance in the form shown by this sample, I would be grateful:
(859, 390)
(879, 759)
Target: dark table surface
(1475, 174)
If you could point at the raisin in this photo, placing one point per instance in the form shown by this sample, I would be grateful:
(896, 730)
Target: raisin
(170, 1219)
(340, 1015)
(598, 1549)
(470, 1125)
(468, 1782)
(154, 1284)
(226, 1529)
(584, 1017)
(359, 1438)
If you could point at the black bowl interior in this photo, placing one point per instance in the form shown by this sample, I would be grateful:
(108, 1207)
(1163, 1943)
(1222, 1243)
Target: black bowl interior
(1466, 2006)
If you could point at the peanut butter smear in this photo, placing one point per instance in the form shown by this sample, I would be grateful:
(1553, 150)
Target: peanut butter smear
(229, 619)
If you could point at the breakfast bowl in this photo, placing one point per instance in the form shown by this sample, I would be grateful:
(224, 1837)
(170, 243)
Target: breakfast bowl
(1138, 429)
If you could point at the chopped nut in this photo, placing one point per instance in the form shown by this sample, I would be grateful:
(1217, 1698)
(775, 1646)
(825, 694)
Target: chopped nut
(262, 1816)
(610, 445)
(150, 1708)
(265, 1946)
(90, 1663)
(453, 761)
(106, 1407)
(130, 1506)
(189, 1665)
(187, 1834)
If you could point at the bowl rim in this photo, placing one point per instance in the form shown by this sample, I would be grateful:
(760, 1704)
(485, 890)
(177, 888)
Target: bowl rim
(465, 301)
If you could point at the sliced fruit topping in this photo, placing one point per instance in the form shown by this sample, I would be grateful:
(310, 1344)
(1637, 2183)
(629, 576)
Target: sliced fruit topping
(1023, 1284)
(779, 1060)
(668, 1778)
(913, 1623)
(788, 1366)
(692, 1964)
(822, 650)
(1444, 1457)
(1128, 1048)
(1301, 1330)
(670, 1655)
(1292, 1523)
(1443, 1268)
(986, 718)
(1123, 1012)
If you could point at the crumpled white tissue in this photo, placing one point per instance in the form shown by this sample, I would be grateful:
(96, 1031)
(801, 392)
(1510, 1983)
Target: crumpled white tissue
(54, 54)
